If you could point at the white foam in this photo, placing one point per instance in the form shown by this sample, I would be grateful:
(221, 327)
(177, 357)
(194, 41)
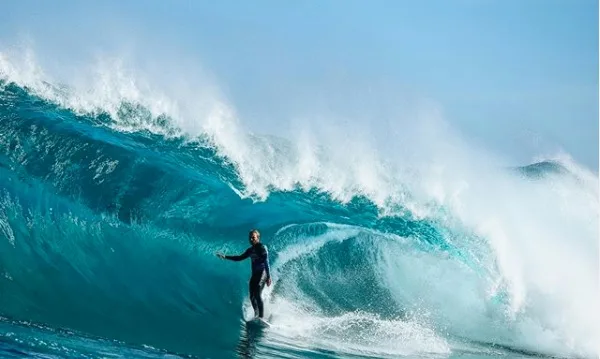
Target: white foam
(106, 83)
(353, 333)
(542, 236)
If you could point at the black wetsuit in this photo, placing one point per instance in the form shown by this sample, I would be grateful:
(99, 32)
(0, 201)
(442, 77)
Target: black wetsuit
(260, 273)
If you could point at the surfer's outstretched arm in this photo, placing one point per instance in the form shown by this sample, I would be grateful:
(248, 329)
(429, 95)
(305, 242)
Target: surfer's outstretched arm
(241, 257)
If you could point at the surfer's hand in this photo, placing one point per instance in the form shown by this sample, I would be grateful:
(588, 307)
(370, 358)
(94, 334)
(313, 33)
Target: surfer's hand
(268, 282)
(221, 255)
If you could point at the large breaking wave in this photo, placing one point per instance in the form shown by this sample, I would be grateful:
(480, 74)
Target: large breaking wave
(113, 203)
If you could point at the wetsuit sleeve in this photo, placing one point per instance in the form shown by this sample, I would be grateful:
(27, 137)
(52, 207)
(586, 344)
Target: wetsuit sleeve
(265, 258)
(244, 255)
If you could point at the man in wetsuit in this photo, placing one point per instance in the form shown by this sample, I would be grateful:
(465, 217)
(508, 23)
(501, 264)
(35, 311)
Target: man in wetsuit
(260, 269)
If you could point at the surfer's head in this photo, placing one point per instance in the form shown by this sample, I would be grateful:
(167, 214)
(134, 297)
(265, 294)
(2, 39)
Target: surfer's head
(254, 236)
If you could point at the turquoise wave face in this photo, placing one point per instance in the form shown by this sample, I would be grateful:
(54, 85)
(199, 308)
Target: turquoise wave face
(114, 233)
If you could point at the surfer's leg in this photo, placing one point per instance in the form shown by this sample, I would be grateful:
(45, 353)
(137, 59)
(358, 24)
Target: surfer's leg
(254, 292)
(259, 288)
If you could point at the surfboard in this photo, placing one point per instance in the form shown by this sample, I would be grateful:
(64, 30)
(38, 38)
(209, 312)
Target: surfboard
(259, 321)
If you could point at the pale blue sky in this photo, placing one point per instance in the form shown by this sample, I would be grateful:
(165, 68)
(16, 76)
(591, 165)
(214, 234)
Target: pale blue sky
(519, 76)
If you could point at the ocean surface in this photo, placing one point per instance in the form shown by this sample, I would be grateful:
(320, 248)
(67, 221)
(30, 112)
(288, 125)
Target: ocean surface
(111, 213)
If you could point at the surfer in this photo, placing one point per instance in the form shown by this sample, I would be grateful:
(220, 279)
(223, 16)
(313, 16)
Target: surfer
(260, 269)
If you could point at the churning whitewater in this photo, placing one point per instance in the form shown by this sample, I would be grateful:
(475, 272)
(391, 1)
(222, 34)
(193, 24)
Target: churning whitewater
(114, 199)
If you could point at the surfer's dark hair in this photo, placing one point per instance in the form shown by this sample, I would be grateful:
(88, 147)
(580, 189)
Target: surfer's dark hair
(253, 231)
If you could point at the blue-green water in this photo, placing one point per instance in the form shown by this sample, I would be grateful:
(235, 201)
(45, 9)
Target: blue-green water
(107, 242)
